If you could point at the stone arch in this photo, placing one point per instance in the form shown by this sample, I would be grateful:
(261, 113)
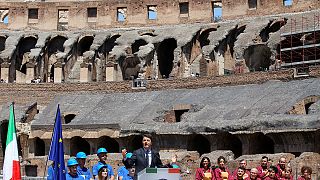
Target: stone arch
(204, 34)
(199, 143)
(4, 131)
(2, 43)
(102, 57)
(39, 147)
(84, 44)
(165, 53)
(137, 43)
(78, 144)
(261, 144)
(258, 57)
(54, 46)
(110, 144)
(23, 49)
(303, 106)
(227, 141)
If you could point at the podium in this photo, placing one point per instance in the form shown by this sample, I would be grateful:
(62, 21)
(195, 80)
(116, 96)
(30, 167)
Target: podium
(159, 174)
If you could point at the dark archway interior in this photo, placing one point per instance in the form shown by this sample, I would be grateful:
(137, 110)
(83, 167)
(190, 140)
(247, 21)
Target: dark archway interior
(227, 141)
(68, 118)
(78, 144)
(166, 56)
(84, 44)
(137, 43)
(135, 143)
(2, 43)
(56, 45)
(307, 106)
(271, 27)
(257, 57)
(39, 147)
(25, 45)
(110, 144)
(261, 144)
(109, 44)
(200, 144)
(4, 131)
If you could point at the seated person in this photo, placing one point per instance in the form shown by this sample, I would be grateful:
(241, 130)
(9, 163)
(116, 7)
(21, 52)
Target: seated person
(272, 173)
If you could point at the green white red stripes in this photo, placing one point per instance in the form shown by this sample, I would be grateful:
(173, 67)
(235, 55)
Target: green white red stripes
(11, 165)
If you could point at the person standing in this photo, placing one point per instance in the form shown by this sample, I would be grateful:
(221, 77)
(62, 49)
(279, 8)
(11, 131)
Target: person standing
(222, 172)
(143, 157)
(263, 168)
(205, 172)
(242, 164)
(81, 169)
(306, 172)
(102, 155)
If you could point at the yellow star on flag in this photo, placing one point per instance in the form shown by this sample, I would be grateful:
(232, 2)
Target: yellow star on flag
(60, 140)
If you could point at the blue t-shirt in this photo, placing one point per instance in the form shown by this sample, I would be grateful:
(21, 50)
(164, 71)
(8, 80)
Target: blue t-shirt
(76, 177)
(50, 175)
(122, 171)
(85, 172)
(95, 169)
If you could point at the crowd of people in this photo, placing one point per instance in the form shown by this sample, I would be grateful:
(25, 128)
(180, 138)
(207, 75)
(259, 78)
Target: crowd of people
(133, 163)
(147, 157)
(263, 172)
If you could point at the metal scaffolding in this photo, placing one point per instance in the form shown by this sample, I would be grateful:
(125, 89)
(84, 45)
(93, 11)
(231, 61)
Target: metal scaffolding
(300, 43)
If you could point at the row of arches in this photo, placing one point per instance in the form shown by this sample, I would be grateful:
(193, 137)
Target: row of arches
(256, 143)
(165, 59)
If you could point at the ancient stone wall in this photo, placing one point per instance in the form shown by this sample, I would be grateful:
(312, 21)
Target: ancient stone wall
(70, 15)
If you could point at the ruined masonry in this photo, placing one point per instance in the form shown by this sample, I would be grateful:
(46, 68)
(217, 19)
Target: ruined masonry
(225, 77)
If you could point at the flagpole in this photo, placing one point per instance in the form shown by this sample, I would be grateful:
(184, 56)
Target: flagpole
(45, 167)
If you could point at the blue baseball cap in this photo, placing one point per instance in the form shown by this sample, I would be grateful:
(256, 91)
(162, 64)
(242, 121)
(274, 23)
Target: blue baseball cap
(72, 162)
(81, 155)
(102, 150)
(128, 155)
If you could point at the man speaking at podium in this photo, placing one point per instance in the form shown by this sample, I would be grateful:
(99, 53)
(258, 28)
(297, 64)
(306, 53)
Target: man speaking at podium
(145, 156)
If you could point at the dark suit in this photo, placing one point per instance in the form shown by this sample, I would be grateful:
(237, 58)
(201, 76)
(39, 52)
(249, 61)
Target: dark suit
(139, 160)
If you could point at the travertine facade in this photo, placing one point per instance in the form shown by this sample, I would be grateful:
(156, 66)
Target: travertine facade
(177, 44)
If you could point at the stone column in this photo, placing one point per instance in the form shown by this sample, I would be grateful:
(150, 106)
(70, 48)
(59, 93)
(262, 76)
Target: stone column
(30, 72)
(110, 71)
(57, 72)
(84, 72)
(5, 71)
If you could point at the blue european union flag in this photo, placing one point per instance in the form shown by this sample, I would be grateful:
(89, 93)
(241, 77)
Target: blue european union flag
(56, 153)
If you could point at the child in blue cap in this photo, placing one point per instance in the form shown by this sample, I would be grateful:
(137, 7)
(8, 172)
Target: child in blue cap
(123, 171)
(102, 155)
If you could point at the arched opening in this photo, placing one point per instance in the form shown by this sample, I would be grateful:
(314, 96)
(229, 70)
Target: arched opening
(257, 57)
(110, 144)
(135, 142)
(203, 38)
(227, 141)
(308, 105)
(4, 131)
(200, 144)
(68, 118)
(261, 144)
(24, 48)
(137, 43)
(55, 45)
(2, 43)
(39, 147)
(165, 53)
(84, 44)
(78, 144)
(272, 27)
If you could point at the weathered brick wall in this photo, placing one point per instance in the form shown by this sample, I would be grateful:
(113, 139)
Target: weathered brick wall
(45, 92)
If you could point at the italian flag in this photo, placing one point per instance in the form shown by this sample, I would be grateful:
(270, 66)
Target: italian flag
(11, 165)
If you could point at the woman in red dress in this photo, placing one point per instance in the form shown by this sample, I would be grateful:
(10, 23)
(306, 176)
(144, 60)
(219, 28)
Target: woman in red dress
(205, 172)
